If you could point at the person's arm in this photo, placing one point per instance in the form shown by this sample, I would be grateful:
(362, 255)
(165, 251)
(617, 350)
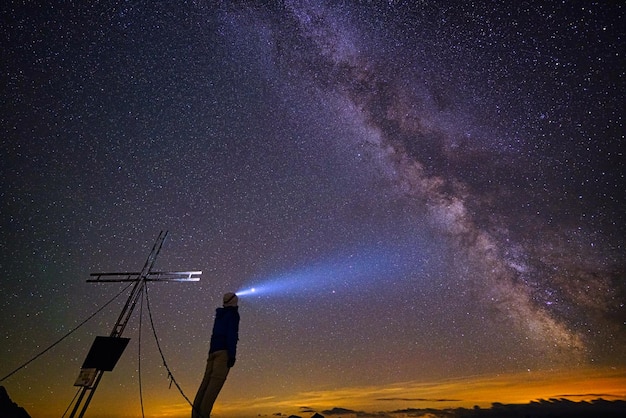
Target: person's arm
(232, 338)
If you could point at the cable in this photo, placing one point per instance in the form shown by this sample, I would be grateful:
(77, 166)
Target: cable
(169, 373)
(139, 354)
(64, 337)
(71, 402)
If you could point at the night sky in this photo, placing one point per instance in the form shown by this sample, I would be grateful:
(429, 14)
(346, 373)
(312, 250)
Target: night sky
(427, 196)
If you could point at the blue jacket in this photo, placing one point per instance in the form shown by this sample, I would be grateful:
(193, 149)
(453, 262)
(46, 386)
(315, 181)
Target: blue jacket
(226, 332)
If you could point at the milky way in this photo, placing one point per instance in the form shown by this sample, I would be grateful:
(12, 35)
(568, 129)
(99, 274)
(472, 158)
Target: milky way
(416, 190)
(395, 114)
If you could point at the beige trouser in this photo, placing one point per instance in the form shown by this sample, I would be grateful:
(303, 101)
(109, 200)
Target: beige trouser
(214, 378)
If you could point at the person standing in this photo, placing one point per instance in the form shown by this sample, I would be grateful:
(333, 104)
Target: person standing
(222, 356)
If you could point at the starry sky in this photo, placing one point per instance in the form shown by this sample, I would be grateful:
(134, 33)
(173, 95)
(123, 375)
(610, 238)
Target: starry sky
(427, 197)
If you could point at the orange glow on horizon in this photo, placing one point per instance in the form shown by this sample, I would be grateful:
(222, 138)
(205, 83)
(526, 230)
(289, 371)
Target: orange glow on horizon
(582, 385)
(466, 392)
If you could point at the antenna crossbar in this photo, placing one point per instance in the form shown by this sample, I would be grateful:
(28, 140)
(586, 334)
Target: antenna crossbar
(157, 276)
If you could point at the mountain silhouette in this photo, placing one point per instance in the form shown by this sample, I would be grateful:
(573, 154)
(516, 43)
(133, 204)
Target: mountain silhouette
(8, 408)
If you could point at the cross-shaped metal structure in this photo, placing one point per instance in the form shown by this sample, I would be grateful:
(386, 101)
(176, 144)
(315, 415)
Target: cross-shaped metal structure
(106, 351)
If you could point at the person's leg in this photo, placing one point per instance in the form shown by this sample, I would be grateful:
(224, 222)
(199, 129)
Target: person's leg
(218, 377)
(197, 402)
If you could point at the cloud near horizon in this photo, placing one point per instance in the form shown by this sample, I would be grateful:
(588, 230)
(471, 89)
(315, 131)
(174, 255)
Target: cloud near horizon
(483, 391)
(540, 408)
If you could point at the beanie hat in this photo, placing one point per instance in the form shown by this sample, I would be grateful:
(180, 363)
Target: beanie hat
(230, 299)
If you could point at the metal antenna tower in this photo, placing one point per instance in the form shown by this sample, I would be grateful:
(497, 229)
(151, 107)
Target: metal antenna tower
(106, 351)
